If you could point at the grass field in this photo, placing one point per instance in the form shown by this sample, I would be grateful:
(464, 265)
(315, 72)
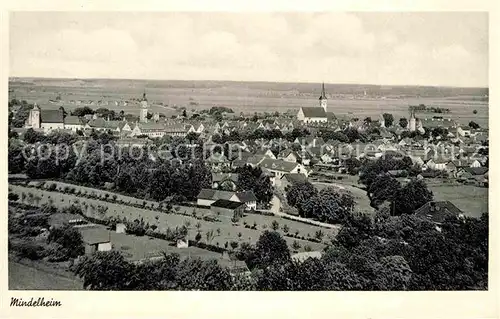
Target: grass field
(472, 200)
(25, 277)
(251, 97)
(228, 232)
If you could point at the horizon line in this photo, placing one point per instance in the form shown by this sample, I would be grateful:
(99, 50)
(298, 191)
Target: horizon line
(252, 81)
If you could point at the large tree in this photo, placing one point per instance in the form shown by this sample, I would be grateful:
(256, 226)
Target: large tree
(298, 193)
(271, 249)
(329, 205)
(403, 122)
(412, 196)
(252, 179)
(104, 270)
(384, 187)
(388, 119)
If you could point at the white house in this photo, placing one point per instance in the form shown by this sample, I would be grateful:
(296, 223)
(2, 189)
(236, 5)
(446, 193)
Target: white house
(464, 131)
(279, 167)
(73, 123)
(437, 164)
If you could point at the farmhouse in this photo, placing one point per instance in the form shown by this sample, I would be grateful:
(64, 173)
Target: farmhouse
(208, 196)
(95, 239)
(73, 123)
(228, 208)
(438, 211)
(278, 168)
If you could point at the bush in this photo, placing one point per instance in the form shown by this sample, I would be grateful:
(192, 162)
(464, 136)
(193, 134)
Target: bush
(52, 187)
(13, 197)
(30, 250)
(233, 244)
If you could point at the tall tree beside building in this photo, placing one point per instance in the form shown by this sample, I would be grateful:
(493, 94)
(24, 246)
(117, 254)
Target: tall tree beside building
(252, 179)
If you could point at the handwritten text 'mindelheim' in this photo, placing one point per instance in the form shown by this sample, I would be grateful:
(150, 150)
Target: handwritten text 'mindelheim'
(40, 302)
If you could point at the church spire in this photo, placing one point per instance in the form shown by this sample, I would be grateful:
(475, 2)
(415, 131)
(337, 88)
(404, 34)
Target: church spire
(322, 98)
(323, 93)
(144, 95)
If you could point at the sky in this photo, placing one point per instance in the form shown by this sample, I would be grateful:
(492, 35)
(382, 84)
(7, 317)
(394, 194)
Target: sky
(438, 49)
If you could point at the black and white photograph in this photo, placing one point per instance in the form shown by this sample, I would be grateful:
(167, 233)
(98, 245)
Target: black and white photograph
(247, 151)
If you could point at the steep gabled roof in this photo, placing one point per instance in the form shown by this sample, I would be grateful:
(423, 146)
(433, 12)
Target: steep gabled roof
(72, 120)
(314, 111)
(436, 211)
(51, 116)
(228, 204)
(214, 194)
(477, 170)
(295, 178)
(278, 165)
(246, 196)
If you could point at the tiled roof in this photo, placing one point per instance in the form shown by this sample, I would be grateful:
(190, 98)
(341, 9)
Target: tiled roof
(436, 211)
(72, 120)
(51, 116)
(314, 112)
(207, 193)
(246, 196)
(228, 204)
(278, 165)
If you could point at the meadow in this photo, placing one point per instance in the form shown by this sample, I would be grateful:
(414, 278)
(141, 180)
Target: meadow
(227, 231)
(250, 97)
(29, 275)
(472, 200)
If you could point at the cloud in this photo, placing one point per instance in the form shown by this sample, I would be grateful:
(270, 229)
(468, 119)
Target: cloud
(331, 47)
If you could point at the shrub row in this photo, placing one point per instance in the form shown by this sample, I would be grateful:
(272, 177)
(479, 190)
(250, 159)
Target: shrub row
(314, 240)
(206, 246)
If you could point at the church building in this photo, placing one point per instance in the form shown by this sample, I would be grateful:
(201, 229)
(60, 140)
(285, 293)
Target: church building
(315, 114)
(47, 120)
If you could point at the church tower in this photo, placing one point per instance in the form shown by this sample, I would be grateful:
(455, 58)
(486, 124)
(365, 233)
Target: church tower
(412, 124)
(322, 99)
(34, 117)
(143, 117)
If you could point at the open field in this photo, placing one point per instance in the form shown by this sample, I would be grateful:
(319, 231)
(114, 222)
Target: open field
(34, 277)
(250, 97)
(228, 232)
(472, 200)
